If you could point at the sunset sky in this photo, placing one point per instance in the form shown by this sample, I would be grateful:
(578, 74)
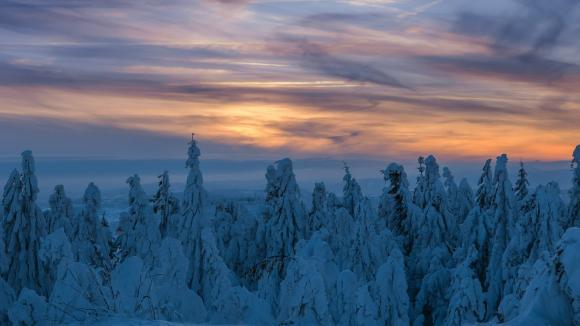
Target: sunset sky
(354, 78)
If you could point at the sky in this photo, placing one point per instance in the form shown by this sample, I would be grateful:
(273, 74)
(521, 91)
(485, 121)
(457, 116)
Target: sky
(263, 79)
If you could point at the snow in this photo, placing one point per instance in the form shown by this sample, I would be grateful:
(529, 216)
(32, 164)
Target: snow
(431, 253)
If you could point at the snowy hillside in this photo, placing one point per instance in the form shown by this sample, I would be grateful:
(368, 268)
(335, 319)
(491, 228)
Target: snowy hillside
(435, 251)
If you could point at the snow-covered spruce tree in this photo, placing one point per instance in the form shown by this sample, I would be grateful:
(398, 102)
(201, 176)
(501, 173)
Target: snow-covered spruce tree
(194, 195)
(24, 226)
(467, 302)
(342, 231)
(138, 228)
(433, 298)
(61, 211)
(522, 183)
(91, 240)
(574, 207)
(434, 227)
(7, 295)
(484, 195)
(225, 301)
(235, 229)
(465, 199)
(477, 228)
(396, 207)
(317, 217)
(369, 248)
(166, 205)
(351, 191)
(503, 219)
(419, 191)
(286, 224)
(282, 227)
(390, 291)
(552, 296)
(453, 202)
(303, 297)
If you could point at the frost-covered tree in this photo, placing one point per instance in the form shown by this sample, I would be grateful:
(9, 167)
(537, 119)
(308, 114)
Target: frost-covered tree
(24, 226)
(552, 296)
(166, 205)
(91, 239)
(522, 183)
(351, 191)
(433, 297)
(503, 219)
(303, 298)
(287, 221)
(236, 229)
(138, 228)
(194, 195)
(390, 291)
(453, 201)
(61, 211)
(419, 192)
(467, 302)
(317, 218)
(465, 199)
(484, 194)
(396, 207)
(574, 207)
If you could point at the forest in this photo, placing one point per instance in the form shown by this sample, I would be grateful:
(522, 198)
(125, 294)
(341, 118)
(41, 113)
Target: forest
(440, 252)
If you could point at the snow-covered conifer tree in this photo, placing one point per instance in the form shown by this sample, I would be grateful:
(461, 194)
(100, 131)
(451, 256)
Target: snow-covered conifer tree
(390, 291)
(286, 225)
(235, 232)
(574, 207)
(351, 191)
(317, 218)
(433, 297)
(465, 200)
(24, 226)
(419, 192)
(467, 302)
(92, 240)
(522, 183)
(166, 205)
(484, 195)
(453, 201)
(395, 205)
(503, 219)
(138, 229)
(61, 211)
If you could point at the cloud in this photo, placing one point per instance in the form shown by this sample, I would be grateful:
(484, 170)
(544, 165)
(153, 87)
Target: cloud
(535, 29)
(316, 58)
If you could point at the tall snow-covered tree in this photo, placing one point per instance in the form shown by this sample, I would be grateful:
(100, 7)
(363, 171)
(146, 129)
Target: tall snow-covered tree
(465, 199)
(419, 191)
(166, 205)
(390, 291)
(61, 211)
(351, 191)
(574, 207)
(286, 224)
(453, 201)
(396, 206)
(92, 240)
(236, 229)
(484, 194)
(317, 218)
(24, 226)
(433, 298)
(138, 228)
(522, 183)
(467, 302)
(503, 219)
